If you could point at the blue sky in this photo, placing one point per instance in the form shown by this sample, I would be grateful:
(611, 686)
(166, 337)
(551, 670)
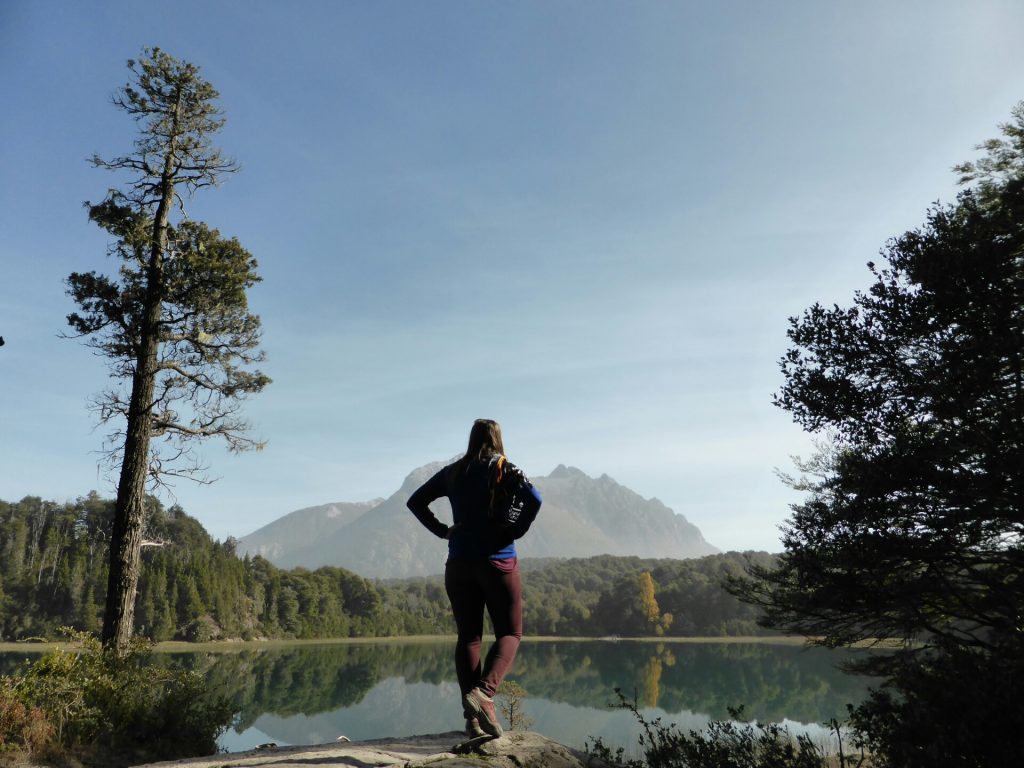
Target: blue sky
(587, 220)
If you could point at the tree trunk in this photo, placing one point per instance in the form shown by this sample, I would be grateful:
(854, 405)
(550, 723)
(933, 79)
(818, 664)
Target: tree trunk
(126, 535)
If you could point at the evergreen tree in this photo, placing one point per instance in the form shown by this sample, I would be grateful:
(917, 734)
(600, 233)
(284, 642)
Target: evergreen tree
(913, 529)
(913, 523)
(174, 324)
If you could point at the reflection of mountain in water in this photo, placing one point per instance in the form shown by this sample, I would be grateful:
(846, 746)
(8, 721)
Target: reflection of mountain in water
(772, 682)
(393, 707)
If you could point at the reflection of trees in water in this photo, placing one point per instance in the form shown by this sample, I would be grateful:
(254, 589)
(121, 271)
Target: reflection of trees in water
(771, 682)
(312, 679)
(15, 661)
(650, 689)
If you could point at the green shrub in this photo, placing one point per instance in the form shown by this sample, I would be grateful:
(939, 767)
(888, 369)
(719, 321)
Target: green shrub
(122, 710)
(201, 630)
(723, 745)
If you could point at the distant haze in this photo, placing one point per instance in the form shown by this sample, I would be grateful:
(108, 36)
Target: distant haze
(581, 516)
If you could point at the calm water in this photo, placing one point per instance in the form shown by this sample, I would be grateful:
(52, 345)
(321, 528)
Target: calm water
(313, 694)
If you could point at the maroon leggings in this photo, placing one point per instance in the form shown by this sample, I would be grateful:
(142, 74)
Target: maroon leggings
(471, 586)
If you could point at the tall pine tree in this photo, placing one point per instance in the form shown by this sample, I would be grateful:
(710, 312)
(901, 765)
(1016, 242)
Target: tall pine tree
(174, 323)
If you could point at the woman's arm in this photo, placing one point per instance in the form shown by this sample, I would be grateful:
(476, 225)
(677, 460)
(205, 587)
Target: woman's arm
(419, 504)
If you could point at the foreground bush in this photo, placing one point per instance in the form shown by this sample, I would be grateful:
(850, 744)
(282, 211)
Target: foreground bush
(112, 711)
(24, 729)
(958, 708)
(723, 745)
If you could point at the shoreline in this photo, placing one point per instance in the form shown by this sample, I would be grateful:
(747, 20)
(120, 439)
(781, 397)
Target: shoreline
(228, 646)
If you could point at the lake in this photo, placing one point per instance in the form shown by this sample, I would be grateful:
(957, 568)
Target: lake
(310, 694)
(313, 693)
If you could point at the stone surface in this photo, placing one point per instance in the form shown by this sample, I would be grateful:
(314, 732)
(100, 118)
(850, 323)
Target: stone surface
(513, 750)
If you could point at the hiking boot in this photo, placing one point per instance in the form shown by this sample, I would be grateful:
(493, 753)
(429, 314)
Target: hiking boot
(473, 729)
(482, 707)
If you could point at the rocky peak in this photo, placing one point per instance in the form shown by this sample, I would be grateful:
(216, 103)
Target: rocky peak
(562, 472)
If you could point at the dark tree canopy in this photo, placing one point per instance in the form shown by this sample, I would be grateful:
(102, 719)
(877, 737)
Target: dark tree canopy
(912, 525)
(913, 528)
(174, 323)
(205, 335)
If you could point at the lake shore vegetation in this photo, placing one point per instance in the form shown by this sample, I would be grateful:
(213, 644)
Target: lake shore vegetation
(84, 704)
(732, 743)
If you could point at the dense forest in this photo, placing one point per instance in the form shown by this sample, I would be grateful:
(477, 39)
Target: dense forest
(609, 595)
(53, 572)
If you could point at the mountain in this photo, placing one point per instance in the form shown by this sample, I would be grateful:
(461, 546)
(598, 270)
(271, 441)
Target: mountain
(581, 516)
(296, 529)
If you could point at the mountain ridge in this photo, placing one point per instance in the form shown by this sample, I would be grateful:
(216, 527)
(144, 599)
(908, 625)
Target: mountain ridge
(581, 516)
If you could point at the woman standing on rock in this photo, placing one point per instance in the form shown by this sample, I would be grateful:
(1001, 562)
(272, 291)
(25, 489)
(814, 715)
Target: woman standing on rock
(482, 568)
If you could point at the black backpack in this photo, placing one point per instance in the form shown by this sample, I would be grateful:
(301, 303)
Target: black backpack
(511, 497)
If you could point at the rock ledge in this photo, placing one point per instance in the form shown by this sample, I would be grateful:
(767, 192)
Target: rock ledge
(513, 750)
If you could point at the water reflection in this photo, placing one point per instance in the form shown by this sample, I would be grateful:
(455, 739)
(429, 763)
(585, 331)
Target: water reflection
(313, 694)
